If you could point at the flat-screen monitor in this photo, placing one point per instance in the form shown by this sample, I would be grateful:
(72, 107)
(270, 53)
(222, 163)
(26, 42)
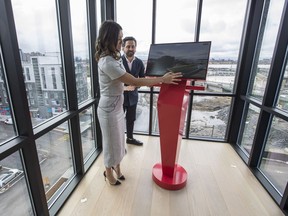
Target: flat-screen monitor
(190, 58)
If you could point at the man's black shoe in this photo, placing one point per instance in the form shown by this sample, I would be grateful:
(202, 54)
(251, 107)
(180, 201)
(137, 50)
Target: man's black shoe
(134, 141)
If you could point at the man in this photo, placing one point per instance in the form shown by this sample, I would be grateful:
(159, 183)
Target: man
(134, 66)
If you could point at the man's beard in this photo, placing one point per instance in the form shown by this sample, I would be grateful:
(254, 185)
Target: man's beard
(130, 53)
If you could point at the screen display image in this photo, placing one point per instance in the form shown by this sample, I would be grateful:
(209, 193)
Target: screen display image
(190, 58)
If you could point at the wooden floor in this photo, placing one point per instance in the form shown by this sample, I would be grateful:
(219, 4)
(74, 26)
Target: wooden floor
(219, 183)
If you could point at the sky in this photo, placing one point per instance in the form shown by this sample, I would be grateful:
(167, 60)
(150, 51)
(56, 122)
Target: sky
(222, 23)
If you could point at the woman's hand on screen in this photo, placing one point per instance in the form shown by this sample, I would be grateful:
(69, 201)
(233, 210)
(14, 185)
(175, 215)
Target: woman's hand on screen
(172, 78)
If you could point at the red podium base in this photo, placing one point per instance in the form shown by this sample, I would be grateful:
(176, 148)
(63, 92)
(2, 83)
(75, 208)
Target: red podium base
(177, 182)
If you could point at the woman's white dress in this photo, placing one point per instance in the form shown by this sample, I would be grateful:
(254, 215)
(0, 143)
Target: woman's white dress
(110, 110)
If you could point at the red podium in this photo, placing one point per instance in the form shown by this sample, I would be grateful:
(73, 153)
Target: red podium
(172, 106)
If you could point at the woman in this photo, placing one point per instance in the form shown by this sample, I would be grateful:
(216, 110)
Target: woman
(112, 76)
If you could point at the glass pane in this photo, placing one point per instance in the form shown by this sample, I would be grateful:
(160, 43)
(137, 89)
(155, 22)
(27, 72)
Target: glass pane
(80, 45)
(141, 123)
(274, 163)
(144, 20)
(282, 102)
(54, 148)
(38, 38)
(266, 43)
(250, 124)
(220, 77)
(175, 21)
(209, 121)
(7, 129)
(216, 25)
(14, 194)
(98, 14)
(87, 132)
(155, 123)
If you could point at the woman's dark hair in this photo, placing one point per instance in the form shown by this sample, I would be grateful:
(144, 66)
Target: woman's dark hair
(107, 40)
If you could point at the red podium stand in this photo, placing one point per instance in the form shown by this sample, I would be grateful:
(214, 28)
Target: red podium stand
(172, 107)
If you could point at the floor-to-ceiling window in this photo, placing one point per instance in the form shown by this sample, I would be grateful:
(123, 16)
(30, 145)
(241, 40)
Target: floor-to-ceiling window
(182, 22)
(47, 102)
(263, 134)
(261, 66)
(38, 38)
(176, 22)
(216, 26)
(79, 24)
(134, 23)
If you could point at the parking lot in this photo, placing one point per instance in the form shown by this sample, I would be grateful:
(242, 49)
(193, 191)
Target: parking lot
(9, 177)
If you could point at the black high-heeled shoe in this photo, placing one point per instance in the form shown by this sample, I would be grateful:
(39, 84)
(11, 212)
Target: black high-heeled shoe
(116, 183)
(122, 177)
